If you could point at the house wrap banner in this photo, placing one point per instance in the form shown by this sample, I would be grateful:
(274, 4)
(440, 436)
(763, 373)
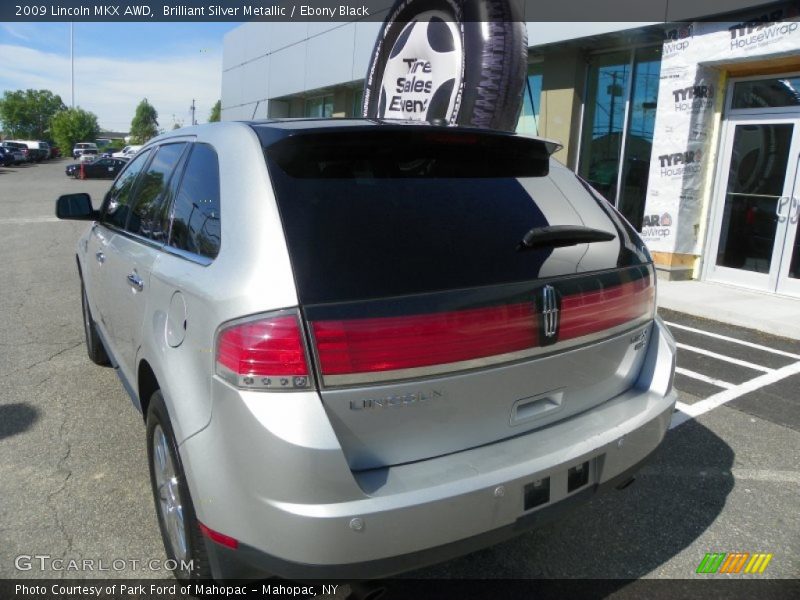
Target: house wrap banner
(689, 90)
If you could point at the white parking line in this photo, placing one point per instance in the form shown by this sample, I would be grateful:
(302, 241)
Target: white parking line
(733, 340)
(735, 361)
(705, 378)
(20, 220)
(691, 411)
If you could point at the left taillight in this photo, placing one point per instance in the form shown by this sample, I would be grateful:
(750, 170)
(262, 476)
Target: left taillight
(264, 353)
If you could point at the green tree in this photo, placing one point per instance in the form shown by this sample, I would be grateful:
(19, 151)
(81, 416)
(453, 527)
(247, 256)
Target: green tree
(216, 112)
(26, 114)
(145, 123)
(73, 125)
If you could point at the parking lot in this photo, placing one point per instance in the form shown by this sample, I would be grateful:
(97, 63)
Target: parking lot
(73, 470)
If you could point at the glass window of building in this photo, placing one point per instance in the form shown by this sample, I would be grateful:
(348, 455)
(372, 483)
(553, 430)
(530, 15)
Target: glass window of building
(358, 99)
(766, 93)
(320, 106)
(619, 119)
(528, 123)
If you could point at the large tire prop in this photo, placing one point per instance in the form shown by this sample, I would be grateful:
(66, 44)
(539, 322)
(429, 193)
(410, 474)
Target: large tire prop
(460, 61)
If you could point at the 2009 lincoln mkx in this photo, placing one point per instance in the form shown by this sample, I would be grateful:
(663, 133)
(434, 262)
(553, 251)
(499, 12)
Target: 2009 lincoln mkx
(253, 283)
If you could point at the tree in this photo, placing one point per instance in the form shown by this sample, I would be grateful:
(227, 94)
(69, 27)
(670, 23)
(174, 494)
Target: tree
(26, 114)
(145, 123)
(73, 125)
(216, 112)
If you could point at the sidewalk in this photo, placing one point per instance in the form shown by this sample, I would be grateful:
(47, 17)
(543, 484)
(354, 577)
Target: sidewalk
(777, 315)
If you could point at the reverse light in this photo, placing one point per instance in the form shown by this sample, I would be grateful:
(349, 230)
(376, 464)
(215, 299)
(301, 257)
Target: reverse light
(265, 353)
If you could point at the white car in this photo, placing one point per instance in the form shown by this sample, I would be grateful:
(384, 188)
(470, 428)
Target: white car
(126, 152)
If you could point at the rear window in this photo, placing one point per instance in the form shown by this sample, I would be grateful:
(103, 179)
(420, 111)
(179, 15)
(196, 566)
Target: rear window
(380, 214)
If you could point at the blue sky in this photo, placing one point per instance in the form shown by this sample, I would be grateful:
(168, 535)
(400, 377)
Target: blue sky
(118, 64)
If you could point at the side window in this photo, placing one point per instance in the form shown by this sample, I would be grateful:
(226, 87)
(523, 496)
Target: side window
(196, 216)
(117, 203)
(147, 218)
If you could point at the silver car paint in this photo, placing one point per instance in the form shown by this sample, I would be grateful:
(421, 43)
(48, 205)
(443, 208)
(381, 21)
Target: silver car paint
(295, 495)
(274, 470)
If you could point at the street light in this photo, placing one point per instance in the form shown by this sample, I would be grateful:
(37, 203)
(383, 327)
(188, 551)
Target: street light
(72, 63)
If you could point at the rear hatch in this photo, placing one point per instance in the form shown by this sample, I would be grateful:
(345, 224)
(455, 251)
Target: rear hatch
(432, 327)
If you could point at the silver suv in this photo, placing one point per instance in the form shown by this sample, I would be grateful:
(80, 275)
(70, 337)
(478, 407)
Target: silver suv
(361, 347)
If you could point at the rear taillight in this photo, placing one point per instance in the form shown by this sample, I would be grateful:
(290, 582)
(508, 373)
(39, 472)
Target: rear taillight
(265, 353)
(592, 312)
(353, 351)
(394, 343)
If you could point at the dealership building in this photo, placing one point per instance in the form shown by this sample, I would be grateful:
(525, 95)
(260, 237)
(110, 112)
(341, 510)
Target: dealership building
(690, 127)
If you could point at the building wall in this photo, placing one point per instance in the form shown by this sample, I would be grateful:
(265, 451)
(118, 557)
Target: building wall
(264, 61)
(271, 69)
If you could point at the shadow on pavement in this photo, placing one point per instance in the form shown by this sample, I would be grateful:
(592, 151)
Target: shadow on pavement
(16, 418)
(620, 534)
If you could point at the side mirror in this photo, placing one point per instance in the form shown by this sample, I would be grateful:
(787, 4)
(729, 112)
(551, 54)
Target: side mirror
(77, 207)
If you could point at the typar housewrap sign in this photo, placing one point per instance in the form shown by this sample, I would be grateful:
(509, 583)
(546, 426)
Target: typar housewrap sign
(690, 91)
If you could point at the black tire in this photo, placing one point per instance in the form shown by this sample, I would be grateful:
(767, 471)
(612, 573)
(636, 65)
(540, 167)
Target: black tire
(195, 549)
(482, 81)
(94, 345)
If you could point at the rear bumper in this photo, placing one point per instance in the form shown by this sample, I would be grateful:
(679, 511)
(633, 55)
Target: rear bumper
(291, 502)
(246, 561)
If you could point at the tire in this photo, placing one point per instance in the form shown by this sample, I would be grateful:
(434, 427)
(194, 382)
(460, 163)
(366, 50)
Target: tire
(94, 345)
(180, 530)
(459, 76)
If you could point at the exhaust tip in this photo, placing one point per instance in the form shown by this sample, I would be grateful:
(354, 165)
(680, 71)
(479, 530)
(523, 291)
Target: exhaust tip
(626, 483)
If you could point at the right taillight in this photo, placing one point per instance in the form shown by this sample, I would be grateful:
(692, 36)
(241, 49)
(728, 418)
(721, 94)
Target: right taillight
(601, 310)
(266, 353)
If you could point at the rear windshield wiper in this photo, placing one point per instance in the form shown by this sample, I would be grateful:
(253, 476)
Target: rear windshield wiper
(557, 236)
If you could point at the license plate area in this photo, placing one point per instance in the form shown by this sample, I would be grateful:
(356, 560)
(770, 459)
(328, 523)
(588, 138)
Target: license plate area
(566, 481)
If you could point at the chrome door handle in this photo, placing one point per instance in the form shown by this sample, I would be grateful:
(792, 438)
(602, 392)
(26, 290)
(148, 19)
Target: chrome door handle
(794, 206)
(135, 281)
(101, 258)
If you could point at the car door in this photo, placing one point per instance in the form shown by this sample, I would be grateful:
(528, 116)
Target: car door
(135, 250)
(102, 267)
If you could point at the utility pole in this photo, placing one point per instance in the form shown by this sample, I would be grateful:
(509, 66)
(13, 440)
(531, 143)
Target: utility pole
(72, 61)
(192, 109)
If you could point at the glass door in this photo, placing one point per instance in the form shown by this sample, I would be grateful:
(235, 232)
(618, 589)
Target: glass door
(756, 204)
(789, 272)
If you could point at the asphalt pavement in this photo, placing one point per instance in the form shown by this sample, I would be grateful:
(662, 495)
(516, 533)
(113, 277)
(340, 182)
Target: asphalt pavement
(73, 469)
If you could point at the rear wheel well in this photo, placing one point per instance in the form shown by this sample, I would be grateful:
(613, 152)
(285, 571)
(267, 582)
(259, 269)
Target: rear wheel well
(147, 384)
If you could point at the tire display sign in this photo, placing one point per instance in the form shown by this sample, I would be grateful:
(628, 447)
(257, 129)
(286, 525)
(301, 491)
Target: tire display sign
(455, 61)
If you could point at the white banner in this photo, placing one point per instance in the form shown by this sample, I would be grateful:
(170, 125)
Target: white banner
(691, 68)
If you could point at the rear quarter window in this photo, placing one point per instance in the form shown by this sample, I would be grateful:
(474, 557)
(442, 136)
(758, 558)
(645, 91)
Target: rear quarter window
(196, 226)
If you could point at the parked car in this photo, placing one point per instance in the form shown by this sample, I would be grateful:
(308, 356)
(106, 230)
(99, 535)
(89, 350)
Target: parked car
(55, 151)
(361, 347)
(88, 155)
(84, 147)
(20, 148)
(127, 152)
(12, 155)
(102, 168)
(37, 150)
(7, 157)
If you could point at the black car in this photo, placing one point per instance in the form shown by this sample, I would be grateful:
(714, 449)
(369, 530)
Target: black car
(103, 168)
(6, 157)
